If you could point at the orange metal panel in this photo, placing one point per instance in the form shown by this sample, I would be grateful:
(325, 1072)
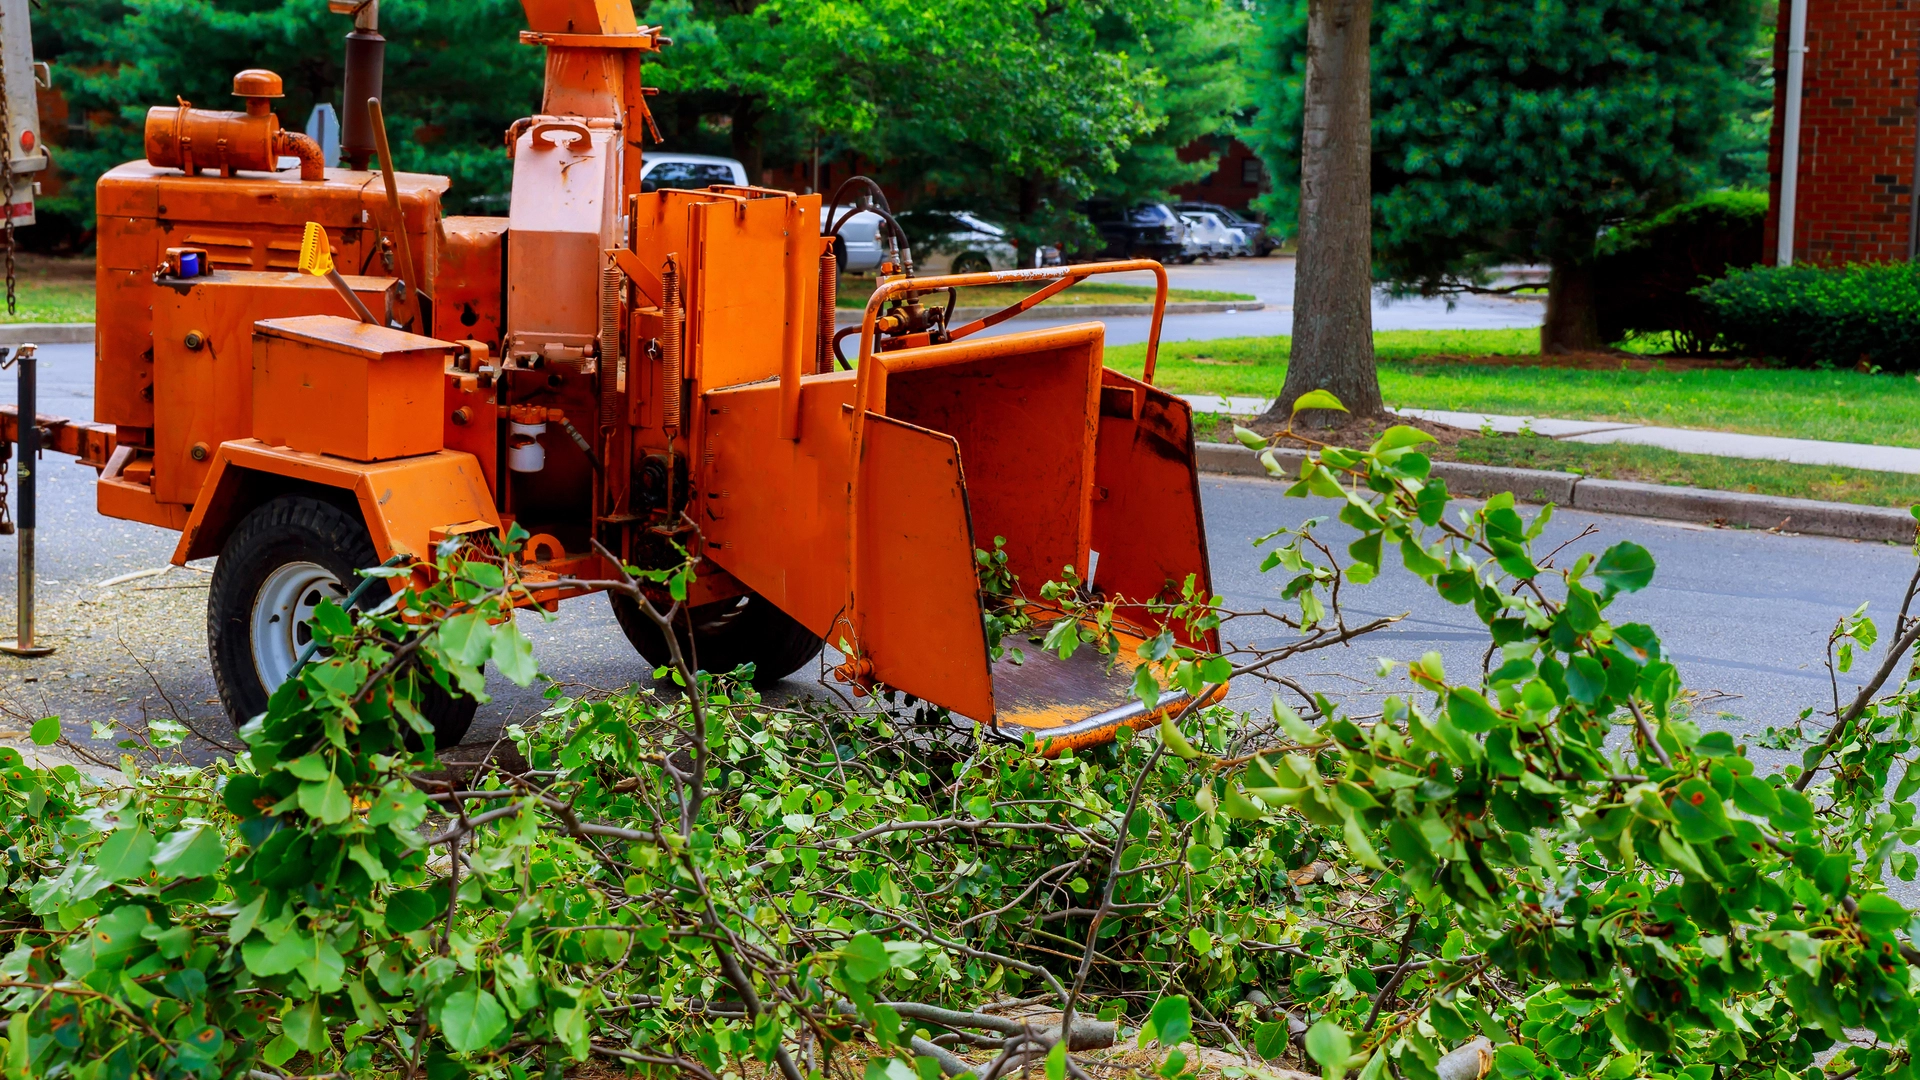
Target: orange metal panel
(251, 222)
(774, 511)
(467, 292)
(476, 430)
(403, 501)
(203, 395)
(129, 501)
(736, 292)
(1024, 409)
(1147, 523)
(123, 345)
(580, 16)
(330, 385)
(916, 599)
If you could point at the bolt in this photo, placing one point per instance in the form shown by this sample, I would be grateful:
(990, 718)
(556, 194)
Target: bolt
(199, 451)
(195, 339)
(461, 415)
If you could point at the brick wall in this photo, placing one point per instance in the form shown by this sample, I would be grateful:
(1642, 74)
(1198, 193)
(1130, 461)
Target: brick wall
(1857, 131)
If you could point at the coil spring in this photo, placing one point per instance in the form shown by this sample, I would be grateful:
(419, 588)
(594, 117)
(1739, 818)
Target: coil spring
(611, 361)
(829, 307)
(670, 348)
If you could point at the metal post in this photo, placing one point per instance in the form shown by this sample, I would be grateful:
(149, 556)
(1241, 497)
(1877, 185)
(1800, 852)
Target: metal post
(1790, 140)
(27, 475)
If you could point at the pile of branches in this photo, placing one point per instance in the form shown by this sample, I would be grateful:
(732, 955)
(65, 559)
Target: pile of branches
(694, 880)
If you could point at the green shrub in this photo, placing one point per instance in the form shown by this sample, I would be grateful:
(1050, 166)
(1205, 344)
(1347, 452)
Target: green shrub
(1646, 271)
(1813, 315)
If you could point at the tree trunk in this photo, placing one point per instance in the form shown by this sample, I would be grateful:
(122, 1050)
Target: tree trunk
(1573, 323)
(1333, 274)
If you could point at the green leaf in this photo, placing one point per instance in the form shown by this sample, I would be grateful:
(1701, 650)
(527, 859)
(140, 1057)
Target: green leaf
(326, 800)
(1880, 913)
(1399, 436)
(413, 909)
(472, 1019)
(1328, 1044)
(190, 853)
(1470, 711)
(467, 638)
(1176, 743)
(305, 1026)
(864, 958)
(1057, 1061)
(1145, 686)
(1681, 856)
(1248, 438)
(1624, 567)
(126, 855)
(1172, 1020)
(1317, 399)
(1270, 1040)
(45, 731)
(513, 655)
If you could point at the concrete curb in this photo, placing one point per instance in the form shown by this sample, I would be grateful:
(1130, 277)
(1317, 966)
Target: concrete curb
(80, 333)
(851, 316)
(1732, 509)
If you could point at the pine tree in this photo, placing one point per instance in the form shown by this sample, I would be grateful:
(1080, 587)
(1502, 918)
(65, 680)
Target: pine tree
(1517, 130)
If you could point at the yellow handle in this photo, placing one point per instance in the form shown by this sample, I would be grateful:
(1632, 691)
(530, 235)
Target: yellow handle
(316, 252)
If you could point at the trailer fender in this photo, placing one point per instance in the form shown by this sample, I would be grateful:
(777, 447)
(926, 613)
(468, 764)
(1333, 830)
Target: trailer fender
(404, 501)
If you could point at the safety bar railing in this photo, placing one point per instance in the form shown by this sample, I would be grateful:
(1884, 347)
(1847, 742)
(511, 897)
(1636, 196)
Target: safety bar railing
(1057, 278)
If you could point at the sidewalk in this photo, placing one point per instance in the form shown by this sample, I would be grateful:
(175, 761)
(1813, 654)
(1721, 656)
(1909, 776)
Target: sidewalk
(1897, 459)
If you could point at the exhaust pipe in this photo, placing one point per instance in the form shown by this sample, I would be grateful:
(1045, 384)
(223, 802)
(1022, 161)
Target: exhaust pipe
(365, 73)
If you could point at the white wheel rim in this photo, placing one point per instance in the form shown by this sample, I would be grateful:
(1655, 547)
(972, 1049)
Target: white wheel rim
(281, 612)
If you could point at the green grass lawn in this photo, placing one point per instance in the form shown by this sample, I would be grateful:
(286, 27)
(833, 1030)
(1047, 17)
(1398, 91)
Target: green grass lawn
(1842, 406)
(1650, 465)
(854, 292)
(50, 297)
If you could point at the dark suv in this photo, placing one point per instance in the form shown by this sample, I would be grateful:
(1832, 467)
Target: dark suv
(1146, 231)
(1256, 233)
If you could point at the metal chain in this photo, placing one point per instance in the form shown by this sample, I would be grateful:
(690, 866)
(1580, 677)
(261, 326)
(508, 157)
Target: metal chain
(6, 184)
(6, 516)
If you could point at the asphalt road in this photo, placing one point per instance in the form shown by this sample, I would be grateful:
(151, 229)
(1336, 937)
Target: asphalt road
(1270, 280)
(1746, 614)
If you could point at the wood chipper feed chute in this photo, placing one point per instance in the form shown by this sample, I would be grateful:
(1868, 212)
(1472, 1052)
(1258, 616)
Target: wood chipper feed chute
(902, 472)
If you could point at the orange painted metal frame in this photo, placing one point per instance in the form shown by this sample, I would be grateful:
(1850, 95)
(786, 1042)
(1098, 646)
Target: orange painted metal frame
(403, 501)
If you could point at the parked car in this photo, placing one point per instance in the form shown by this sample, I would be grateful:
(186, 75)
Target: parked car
(861, 246)
(1209, 237)
(690, 172)
(1256, 233)
(1145, 231)
(961, 242)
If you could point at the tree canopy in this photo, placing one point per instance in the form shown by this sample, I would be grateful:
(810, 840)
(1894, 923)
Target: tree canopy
(1516, 130)
(1016, 108)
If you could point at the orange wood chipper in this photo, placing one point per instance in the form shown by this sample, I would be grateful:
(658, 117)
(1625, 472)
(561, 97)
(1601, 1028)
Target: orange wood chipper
(640, 369)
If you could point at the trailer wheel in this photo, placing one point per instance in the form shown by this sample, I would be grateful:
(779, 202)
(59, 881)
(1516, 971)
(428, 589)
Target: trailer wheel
(279, 564)
(744, 630)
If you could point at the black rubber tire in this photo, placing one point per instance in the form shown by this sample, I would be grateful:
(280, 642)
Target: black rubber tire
(296, 528)
(745, 630)
(971, 262)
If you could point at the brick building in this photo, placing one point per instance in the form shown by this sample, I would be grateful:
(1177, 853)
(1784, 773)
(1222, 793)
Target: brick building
(1858, 132)
(1238, 178)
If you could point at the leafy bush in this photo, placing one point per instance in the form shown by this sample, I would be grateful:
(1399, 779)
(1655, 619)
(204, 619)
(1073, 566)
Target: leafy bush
(1646, 271)
(1814, 315)
(705, 883)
